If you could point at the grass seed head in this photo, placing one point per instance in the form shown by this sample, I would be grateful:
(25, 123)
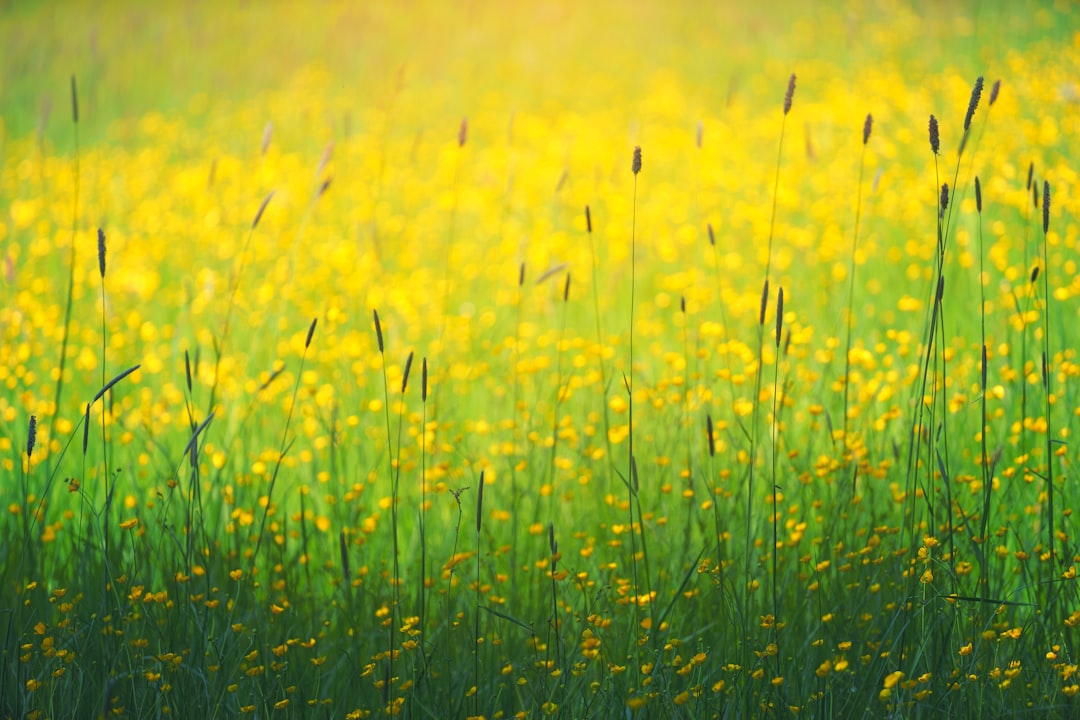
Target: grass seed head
(944, 196)
(463, 132)
(101, 252)
(588, 220)
(779, 315)
(480, 503)
(405, 374)
(636, 164)
(262, 208)
(187, 370)
(31, 435)
(310, 332)
(566, 289)
(1046, 206)
(268, 134)
(74, 101)
(789, 95)
(423, 381)
(994, 90)
(868, 125)
(378, 329)
(1031, 174)
(978, 195)
(935, 139)
(712, 235)
(521, 274)
(709, 435)
(764, 302)
(973, 103)
(86, 430)
(1034, 274)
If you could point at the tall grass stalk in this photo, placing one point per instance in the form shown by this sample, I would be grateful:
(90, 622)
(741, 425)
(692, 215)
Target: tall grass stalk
(1047, 370)
(476, 642)
(560, 392)
(635, 167)
(789, 96)
(515, 399)
(283, 449)
(604, 380)
(59, 392)
(867, 128)
(234, 286)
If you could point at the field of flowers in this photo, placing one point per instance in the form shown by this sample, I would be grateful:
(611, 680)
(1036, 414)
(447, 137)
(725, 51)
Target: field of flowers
(573, 360)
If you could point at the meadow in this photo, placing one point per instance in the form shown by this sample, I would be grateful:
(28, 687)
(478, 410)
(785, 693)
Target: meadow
(573, 360)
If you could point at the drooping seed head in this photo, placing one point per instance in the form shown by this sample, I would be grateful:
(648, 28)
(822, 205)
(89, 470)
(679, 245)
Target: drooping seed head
(994, 90)
(378, 329)
(310, 333)
(1046, 206)
(31, 435)
(935, 139)
(588, 220)
(779, 315)
(101, 252)
(405, 373)
(978, 195)
(789, 95)
(712, 236)
(868, 125)
(463, 132)
(635, 165)
(973, 103)
(764, 302)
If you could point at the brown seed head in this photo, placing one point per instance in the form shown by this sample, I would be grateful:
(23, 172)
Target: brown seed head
(994, 90)
(935, 139)
(31, 435)
(944, 196)
(764, 302)
(101, 252)
(636, 164)
(976, 93)
(405, 374)
(378, 329)
(463, 132)
(789, 95)
(978, 195)
(74, 101)
(310, 333)
(1046, 206)
(867, 127)
(779, 315)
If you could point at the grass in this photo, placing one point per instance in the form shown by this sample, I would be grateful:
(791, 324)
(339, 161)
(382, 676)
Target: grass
(797, 441)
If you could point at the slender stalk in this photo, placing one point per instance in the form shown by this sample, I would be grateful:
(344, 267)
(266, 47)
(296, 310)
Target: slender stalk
(58, 395)
(867, 126)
